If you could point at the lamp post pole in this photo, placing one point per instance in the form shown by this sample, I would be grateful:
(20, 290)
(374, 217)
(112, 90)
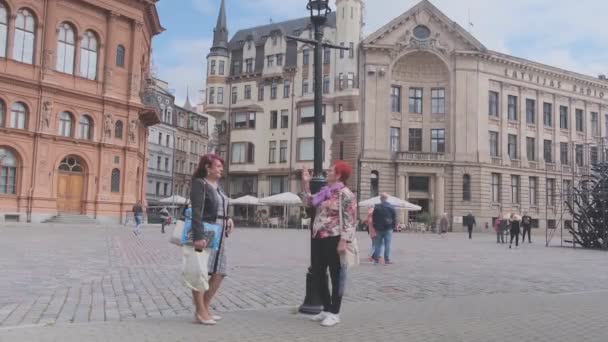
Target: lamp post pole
(319, 10)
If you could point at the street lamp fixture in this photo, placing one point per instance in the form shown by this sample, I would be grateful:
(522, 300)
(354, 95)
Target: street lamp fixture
(319, 10)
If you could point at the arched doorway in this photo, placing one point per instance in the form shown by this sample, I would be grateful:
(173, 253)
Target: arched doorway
(70, 185)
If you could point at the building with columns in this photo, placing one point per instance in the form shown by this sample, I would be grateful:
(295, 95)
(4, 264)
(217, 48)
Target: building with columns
(260, 90)
(73, 128)
(455, 127)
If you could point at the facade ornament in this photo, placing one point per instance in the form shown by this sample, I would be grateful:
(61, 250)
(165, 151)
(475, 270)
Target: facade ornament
(108, 125)
(132, 131)
(45, 119)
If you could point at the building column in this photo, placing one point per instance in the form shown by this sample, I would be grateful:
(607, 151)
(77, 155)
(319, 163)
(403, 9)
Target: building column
(439, 195)
(402, 193)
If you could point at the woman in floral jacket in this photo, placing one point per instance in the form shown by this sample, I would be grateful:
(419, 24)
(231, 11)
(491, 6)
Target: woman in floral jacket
(331, 236)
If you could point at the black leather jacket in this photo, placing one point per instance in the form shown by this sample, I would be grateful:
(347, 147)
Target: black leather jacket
(202, 212)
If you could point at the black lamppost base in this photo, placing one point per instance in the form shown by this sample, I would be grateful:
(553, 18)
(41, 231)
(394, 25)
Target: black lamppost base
(312, 302)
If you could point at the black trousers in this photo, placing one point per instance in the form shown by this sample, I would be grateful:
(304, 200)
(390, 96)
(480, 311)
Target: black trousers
(515, 235)
(325, 255)
(528, 230)
(470, 231)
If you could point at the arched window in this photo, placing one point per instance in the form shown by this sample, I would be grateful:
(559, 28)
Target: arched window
(88, 55)
(2, 113)
(466, 187)
(3, 29)
(115, 186)
(66, 43)
(65, 124)
(85, 128)
(8, 172)
(120, 56)
(18, 115)
(71, 164)
(374, 181)
(118, 130)
(25, 37)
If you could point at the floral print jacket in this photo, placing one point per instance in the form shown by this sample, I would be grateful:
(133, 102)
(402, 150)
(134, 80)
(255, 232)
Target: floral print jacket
(327, 220)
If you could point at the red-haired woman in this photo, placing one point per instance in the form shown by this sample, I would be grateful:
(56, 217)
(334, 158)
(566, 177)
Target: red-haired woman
(209, 204)
(330, 236)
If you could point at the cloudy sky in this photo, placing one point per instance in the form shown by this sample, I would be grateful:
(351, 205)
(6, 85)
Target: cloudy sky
(568, 34)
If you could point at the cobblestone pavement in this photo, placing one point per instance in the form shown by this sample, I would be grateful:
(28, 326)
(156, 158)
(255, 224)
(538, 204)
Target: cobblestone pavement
(60, 275)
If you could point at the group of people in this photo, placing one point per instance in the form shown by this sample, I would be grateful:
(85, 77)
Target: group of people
(138, 216)
(381, 221)
(514, 225)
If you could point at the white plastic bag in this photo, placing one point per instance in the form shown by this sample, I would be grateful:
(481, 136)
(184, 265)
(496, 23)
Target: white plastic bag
(194, 268)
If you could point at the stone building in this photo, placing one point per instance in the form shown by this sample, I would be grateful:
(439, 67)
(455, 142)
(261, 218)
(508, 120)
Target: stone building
(72, 123)
(260, 90)
(453, 126)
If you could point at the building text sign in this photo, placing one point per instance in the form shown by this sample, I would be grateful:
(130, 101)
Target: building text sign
(557, 84)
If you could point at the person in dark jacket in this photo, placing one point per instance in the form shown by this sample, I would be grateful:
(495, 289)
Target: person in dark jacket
(469, 221)
(526, 224)
(384, 218)
(515, 220)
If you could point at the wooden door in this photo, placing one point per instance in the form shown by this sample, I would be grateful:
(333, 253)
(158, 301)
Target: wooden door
(69, 193)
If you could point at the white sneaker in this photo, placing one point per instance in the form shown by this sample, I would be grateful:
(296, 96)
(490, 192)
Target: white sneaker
(320, 316)
(331, 320)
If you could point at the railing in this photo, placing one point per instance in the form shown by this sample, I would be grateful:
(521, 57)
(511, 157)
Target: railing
(420, 156)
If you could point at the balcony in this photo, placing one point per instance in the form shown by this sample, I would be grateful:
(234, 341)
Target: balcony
(420, 156)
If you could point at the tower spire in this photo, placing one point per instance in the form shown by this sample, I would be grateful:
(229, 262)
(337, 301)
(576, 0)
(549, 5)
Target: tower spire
(188, 105)
(220, 33)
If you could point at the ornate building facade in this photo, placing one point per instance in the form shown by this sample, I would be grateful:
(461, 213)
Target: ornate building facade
(72, 123)
(455, 127)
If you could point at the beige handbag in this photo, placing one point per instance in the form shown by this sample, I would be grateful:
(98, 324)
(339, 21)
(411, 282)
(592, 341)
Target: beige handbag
(350, 257)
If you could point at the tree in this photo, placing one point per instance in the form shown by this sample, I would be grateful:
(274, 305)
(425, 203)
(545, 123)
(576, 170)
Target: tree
(214, 140)
(588, 208)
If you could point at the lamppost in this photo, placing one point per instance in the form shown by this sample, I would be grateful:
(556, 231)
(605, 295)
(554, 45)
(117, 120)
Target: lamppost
(319, 10)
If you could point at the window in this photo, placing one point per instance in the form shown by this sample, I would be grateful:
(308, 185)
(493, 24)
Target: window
(496, 188)
(548, 114)
(515, 189)
(438, 140)
(244, 120)
(280, 59)
(249, 65)
(278, 184)
(157, 189)
(533, 191)
(418, 184)
(167, 140)
(65, 49)
(115, 182)
(166, 164)
(261, 92)
(236, 67)
(18, 116)
(340, 113)
(494, 144)
(578, 149)
(326, 84)
(512, 107)
(88, 55)
(2, 107)
(550, 191)
(415, 140)
(25, 37)
(374, 183)
(531, 148)
(65, 124)
(8, 170)
(563, 153)
(211, 95)
(3, 30)
(220, 95)
(160, 138)
(286, 89)
(512, 146)
(395, 141)
(221, 68)
(595, 124)
(85, 128)
(247, 92)
(273, 90)
(416, 100)
(274, 119)
(341, 150)
(530, 111)
(243, 153)
(234, 95)
(438, 101)
(283, 151)
(221, 151)
(567, 190)
(580, 120)
(270, 61)
(118, 129)
(326, 55)
(307, 114)
(563, 117)
(120, 56)
(493, 103)
(593, 154)
(165, 188)
(350, 82)
(306, 149)
(305, 57)
(284, 118)
(351, 51)
(212, 68)
(466, 187)
(548, 151)
(304, 86)
(342, 51)
(396, 99)
(272, 152)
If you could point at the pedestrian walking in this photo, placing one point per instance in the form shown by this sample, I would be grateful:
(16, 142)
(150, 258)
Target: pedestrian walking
(164, 217)
(209, 204)
(469, 221)
(372, 234)
(526, 224)
(444, 224)
(515, 220)
(138, 215)
(330, 236)
(385, 219)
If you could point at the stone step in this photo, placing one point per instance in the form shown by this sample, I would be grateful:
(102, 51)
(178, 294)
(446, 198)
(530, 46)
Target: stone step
(71, 219)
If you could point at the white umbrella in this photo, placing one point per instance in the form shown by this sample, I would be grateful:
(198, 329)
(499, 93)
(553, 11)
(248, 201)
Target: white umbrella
(176, 199)
(397, 202)
(286, 198)
(245, 200)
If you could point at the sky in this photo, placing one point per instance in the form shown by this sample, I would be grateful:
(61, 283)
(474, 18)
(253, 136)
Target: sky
(571, 35)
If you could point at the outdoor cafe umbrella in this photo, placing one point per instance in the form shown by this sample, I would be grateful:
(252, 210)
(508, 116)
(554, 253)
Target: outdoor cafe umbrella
(285, 199)
(396, 202)
(247, 201)
(175, 199)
